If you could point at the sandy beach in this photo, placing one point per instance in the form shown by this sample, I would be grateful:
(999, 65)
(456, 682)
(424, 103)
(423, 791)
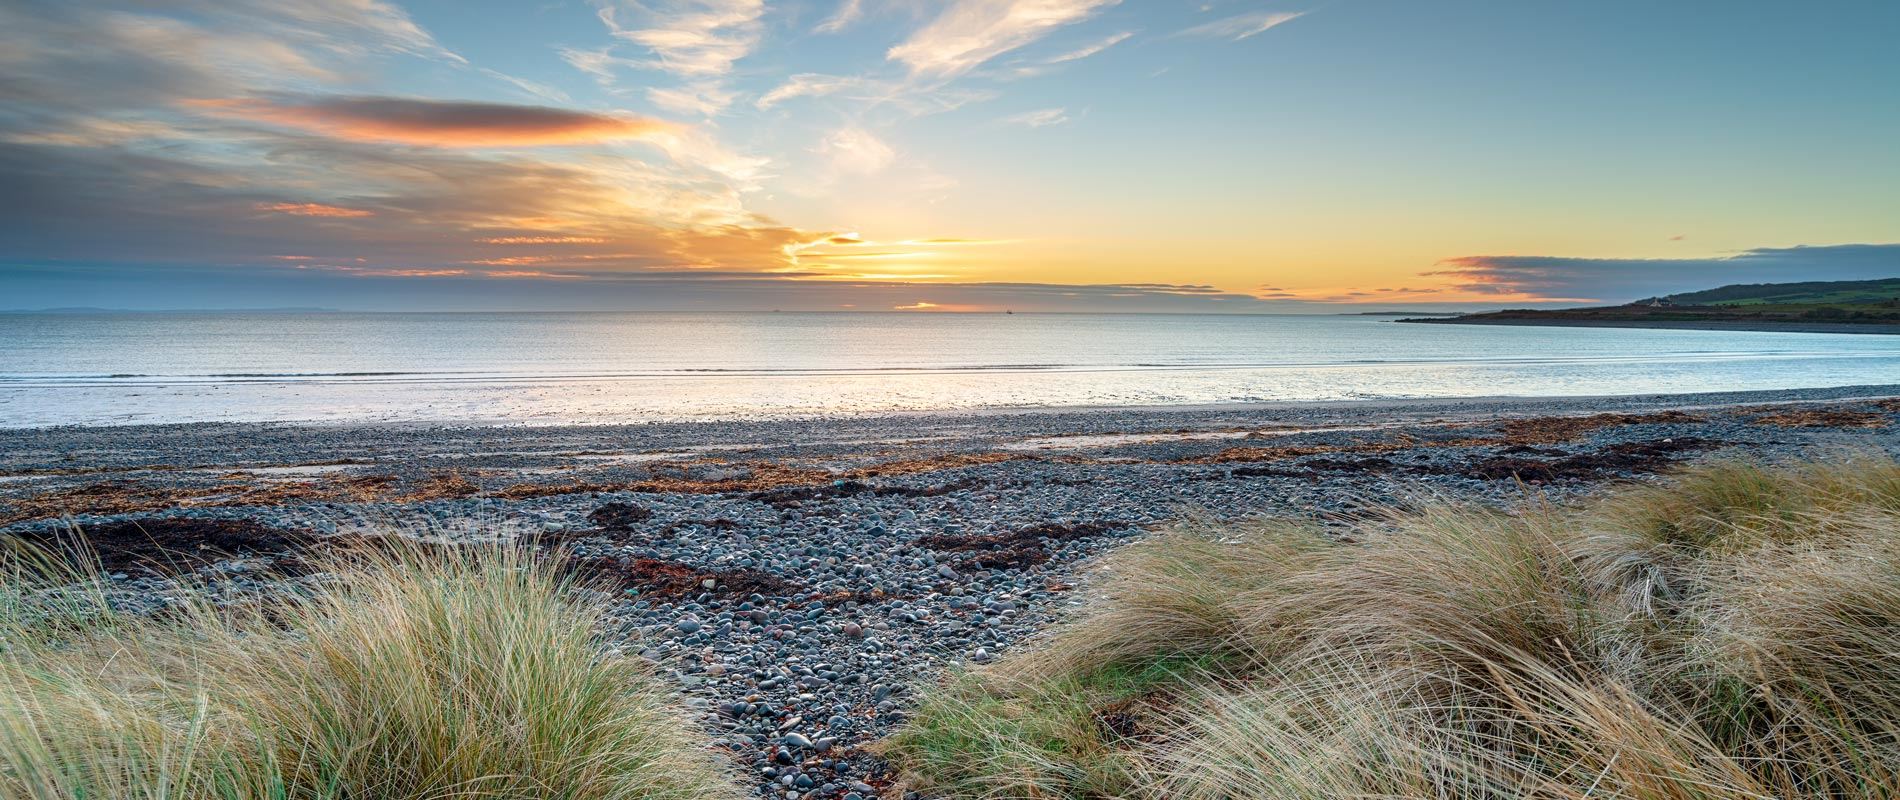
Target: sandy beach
(804, 576)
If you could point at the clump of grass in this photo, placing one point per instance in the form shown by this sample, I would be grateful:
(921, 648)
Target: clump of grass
(442, 674)
(1731, 633)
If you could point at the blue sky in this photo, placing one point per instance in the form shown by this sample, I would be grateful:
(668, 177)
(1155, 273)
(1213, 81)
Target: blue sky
(1147, 155)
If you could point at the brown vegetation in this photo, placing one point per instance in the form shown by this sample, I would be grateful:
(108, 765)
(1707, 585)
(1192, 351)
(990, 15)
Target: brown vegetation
(760, 477)
(166, 545)
(1823, 418)
(131, 497)
(1556, 430)
(1017, 549)
(671, 579)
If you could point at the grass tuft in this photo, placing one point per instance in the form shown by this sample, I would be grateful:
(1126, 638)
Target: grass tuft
(1731, 633)
(445, 674)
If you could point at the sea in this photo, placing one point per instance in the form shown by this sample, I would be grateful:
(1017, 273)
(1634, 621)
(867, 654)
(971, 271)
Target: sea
(112, 368)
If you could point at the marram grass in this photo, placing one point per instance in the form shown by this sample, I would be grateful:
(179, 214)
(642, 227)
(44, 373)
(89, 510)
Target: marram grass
(407, 676)
(1731, 633)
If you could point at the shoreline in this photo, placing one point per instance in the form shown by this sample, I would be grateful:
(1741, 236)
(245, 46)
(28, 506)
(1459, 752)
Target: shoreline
(1875, 391)
(809, 576)
(1684, 325)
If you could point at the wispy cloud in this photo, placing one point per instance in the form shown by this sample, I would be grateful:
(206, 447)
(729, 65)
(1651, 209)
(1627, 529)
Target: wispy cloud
(848, 13)
(542, 240)
(600, 62)
(1039, 118)
(1241, 26)
(808, 84)
(344, 25)
(313, 210)
(1091, 49)
(971, 32)
(706, 99)
(1030, 69)
(438, 123)
(697, 40)
(857, 151)
(536, 88)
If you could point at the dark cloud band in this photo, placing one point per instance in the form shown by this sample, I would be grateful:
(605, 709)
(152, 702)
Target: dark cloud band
(1625, 279)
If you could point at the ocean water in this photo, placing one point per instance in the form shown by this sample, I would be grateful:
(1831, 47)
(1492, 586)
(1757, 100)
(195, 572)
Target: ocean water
(548, 368)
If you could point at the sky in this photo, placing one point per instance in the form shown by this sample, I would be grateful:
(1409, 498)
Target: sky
(939, 155)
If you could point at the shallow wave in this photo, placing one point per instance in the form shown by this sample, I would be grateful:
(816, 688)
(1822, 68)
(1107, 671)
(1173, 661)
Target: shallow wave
(540, 376)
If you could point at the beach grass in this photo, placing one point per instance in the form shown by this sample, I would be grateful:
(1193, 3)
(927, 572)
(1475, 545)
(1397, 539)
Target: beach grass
(1732, 632)
(449, 673)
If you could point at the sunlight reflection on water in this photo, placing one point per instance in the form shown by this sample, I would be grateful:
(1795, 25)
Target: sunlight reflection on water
(554, 368)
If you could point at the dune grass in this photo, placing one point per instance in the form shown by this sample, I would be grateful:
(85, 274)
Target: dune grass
(409, 675)
(1733, 632)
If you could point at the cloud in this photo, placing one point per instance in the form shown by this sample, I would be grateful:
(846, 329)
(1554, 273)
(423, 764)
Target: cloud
(1241, 26)
(313, 210)
(970, 32)
(342, 25)
(542, 240)
(1092, 49)
(1039, 118)
(439, 123)
(416, 209)
(856, 150)
(807, 84)
(598, 62)
(1626, 279)
(540, 90)
(694, 38)
(215, 138)
(1035, 68)
(848, 13)
(76, 59)
(707, 99)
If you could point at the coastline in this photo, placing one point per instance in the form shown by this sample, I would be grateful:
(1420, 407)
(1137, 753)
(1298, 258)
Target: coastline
(827, 568)
(1685, 325)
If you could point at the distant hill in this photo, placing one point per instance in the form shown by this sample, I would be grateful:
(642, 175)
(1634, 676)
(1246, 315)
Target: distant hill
(1742, 294)
(1813, 306)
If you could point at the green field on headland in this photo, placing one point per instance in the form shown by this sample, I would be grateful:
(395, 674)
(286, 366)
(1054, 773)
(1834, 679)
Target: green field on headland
(1819, 306)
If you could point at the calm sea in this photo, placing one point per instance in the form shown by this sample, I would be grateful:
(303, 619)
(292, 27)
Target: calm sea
(626, 367)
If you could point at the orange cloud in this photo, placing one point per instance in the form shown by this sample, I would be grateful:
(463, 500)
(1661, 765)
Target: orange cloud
(542, 240)
(524, 273)
(312, 210)
(411, 273)
(437, 123)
